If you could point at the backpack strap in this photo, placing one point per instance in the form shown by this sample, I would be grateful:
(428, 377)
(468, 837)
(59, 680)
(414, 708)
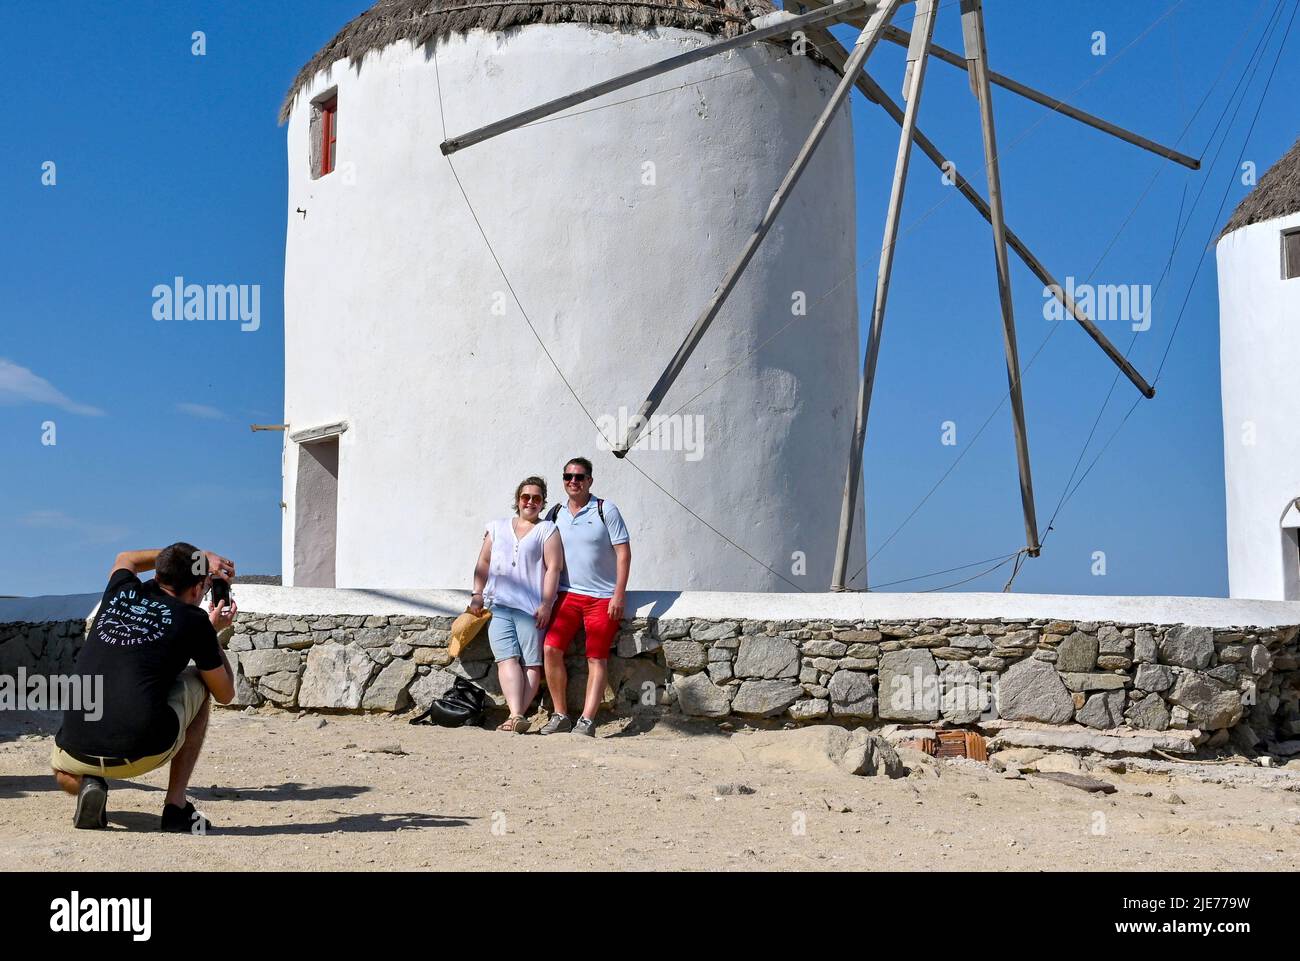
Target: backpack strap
(553, 513)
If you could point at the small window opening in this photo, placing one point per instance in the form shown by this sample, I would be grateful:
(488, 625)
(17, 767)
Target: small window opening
(1290, 254)
(324, 134)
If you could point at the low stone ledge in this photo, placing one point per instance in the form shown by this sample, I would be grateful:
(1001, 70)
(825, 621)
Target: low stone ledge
(1173, 684)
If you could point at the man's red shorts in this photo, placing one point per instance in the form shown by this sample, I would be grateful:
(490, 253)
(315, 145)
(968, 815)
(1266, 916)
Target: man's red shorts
(592, 613)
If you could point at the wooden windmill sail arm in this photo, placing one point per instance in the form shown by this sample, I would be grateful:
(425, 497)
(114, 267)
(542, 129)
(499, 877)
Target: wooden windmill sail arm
(903, 39)
(862, 49)
(913, 82)
(832, 13)
(835, 54)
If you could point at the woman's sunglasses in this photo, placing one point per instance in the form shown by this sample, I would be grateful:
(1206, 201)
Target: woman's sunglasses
(532, 498)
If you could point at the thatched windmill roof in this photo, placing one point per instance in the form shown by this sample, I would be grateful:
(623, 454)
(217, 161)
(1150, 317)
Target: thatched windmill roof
(1276, 195)
(389, 21)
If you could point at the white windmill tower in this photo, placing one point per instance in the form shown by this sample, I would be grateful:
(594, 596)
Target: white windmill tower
(1258, 257)
(454, 324)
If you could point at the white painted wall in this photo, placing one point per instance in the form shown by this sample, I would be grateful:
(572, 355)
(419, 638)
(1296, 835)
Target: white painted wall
(1216, 612)
(389, 293)
(1259, 346)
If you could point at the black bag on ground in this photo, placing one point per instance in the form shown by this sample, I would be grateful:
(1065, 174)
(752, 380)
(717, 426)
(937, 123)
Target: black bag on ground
(463, 704)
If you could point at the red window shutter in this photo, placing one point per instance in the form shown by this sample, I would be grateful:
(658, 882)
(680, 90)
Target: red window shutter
(329, 135)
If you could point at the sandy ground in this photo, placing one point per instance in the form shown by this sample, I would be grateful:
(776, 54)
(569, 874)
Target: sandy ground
(289, 793)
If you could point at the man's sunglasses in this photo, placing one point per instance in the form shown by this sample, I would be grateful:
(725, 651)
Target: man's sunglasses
(574, 478)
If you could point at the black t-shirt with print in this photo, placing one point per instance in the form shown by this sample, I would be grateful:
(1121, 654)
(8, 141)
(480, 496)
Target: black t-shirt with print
(141, 640)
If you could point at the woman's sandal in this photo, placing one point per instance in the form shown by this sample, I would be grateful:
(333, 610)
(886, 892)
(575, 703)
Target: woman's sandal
(515, 724)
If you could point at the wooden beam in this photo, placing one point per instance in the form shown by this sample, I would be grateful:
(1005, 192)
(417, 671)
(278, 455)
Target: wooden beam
(866, 42)
(825, 15)
(903, 39)
(913, 81)
(972, 20)
(830, 48)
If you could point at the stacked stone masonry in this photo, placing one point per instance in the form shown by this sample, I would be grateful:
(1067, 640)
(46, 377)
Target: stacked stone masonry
(1239, 683)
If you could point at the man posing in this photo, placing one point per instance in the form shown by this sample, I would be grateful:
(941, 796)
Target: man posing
(593, 588)
(155, 707)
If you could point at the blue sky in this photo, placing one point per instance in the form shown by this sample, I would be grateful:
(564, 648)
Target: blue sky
(172, 164)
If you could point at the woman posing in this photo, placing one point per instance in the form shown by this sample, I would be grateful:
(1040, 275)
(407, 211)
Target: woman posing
(519, 570)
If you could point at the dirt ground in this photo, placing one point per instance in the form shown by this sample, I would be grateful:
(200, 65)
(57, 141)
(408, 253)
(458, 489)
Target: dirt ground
(289, 793)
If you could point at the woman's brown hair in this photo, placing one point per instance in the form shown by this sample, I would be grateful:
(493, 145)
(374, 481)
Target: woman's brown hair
(528, 482)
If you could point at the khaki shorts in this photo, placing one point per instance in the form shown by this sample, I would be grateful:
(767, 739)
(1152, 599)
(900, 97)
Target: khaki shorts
(187, 696)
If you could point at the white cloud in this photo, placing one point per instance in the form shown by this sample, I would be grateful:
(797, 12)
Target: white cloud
(201, 410)
(19, 385)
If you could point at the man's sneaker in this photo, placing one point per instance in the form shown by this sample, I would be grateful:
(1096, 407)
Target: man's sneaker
(585, 726)
(186, 820)
(92, 803)
(558, 724)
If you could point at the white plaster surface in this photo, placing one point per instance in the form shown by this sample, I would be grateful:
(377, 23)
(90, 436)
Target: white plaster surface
(389, 296)
(1259, 348)
(1200, 611)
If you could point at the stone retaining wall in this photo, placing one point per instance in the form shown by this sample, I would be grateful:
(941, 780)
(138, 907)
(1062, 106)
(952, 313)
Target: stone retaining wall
(1239, 683)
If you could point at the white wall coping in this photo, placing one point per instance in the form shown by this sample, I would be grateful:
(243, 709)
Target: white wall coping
(1214, 612)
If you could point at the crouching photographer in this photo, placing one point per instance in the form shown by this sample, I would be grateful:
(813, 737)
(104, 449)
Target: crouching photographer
(155, 705)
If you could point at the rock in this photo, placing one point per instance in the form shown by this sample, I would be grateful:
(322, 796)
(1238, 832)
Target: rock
(716, 654)
(439, 656)
(1077, 653)
(733, 788)
(1149, 714)
(822, 648)
(1180, 718)
(1058, 763)
(1144, 647)
(1111, 641)
(474, 670)
(909, 686)
(633, 643)
(1081, 781)
(1174, 799)
(1210, 705)
(257, 663)
(281, 688)
(810, 709)
(1016, 759)
(1190, 647)
(699, 697)
(825, 747)
(858, 637)
(1103, 711)
(1113, 662)
(390, 690)
(685, 657)
(721, 671)
(425, 690)
(851, 694)
(1031, 690)
(705, 631)
(868, 755)
(962, 699)
(1094, 682)
(1224, 674)
(1234, 653)
(1153, 677)
(336, 676)
(246, 693)
(1261, 662)
(767, 657)
(973, 642)
(428, 638)
(639, 682)
(765, 698)
(1081, 739)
